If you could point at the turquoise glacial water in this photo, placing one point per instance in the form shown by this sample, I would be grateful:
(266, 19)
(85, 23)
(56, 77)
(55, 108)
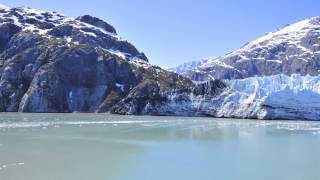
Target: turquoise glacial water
(110, 147)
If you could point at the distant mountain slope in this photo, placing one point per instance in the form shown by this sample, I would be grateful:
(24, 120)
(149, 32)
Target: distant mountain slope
(185, 67)
(292, 49)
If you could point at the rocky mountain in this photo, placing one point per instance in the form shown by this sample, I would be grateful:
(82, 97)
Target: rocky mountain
(294, 49)
(53, 63)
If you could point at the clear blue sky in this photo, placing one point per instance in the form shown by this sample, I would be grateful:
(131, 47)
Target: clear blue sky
(171, 32)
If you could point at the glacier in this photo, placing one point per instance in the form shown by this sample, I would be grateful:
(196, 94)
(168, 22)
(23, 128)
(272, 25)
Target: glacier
(282, 97)
(273, 97)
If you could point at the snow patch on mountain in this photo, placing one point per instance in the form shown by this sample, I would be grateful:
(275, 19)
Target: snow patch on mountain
(188, 66)
(218, 62)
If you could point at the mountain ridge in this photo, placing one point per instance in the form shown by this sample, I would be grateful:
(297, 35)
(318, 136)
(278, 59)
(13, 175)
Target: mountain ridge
(274, 53)
(82, 30)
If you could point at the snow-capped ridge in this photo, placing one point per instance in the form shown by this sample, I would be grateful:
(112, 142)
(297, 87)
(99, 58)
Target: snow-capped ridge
(291, 33)
(53, 17)
(82, 30)
(292, 49)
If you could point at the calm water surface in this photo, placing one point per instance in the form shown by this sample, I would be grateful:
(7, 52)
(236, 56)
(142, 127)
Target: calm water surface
(109, 147)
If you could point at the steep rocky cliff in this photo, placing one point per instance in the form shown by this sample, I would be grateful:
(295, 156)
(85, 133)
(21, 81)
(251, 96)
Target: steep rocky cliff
(144, 100)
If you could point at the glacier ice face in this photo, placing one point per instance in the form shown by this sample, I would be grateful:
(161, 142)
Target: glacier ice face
(273, 97)
(293, 97)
